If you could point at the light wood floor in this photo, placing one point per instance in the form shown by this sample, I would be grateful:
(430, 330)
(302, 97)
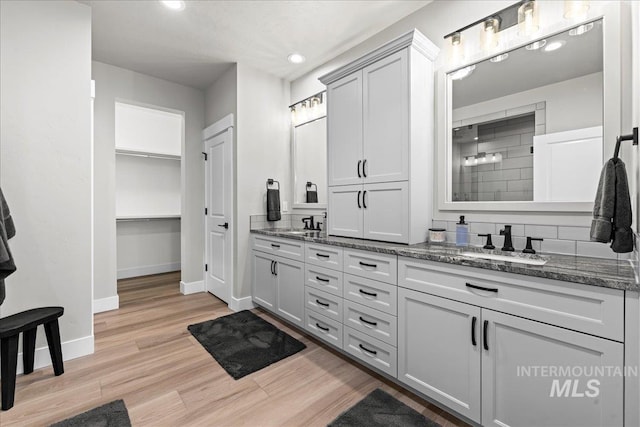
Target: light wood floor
(145, 355)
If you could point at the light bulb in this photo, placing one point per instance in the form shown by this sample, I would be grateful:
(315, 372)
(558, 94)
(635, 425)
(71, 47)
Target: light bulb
(456, 50)
(575, 9)
(489, 34)
(304, 113)
(293, 115)
(528, 18)
(462, 73)
(174, 4)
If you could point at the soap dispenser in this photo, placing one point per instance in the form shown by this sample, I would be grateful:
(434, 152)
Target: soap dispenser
(462, 232)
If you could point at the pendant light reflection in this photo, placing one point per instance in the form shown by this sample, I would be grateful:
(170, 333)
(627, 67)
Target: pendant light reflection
(528, 18)
(462, 73)
(536, 45)
(499, 58)
(581, 29)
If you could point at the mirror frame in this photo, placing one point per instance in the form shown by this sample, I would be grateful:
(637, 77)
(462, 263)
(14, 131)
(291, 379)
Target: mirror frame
(612, 113)
(294, 205)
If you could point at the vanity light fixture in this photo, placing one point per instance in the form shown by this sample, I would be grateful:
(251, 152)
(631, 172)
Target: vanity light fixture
(499, 58)
(462, 72)
(489, 37)
(528, 18)
(483, 158)
(174, 4)
(296, 58)
(309, 109)
(536, 45)
(575, 9)
(555, 45)
(581, 29)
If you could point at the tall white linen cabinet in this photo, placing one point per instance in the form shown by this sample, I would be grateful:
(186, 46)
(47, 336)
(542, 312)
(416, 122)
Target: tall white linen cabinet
(380, 132)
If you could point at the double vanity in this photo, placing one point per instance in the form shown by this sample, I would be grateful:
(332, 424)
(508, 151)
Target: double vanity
(486, 338)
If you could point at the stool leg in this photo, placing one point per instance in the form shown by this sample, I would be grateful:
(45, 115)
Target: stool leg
(28, 349)
(8, 363)
(55, 349)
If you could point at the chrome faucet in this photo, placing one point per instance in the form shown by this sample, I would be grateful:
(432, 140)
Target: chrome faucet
(508, 244)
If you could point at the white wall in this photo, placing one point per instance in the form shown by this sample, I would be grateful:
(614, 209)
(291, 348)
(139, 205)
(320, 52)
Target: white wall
(221, 98)
(571, 104)
(435, 20)
(263, 152)
(45, 151)
(118, 84)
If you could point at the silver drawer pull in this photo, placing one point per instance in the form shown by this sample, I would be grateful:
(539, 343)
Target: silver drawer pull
(324, 304)
(368, 322)
(322, 327)
(367, 350)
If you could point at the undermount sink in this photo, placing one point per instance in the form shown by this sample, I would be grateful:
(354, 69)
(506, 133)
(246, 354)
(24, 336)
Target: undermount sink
(521, 259)
(309, 233)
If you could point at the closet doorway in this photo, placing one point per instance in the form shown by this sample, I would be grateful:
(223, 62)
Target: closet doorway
(149, 143)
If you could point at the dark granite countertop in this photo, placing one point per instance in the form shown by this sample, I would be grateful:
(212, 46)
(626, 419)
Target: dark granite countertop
(601, 272)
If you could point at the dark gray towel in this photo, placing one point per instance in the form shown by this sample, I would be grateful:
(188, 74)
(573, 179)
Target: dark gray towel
(312, 196)
(273, 205)
(7, 231)
(612, 209)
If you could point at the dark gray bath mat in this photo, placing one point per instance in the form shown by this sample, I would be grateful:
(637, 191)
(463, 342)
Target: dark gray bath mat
(380, 409)
(113, 414)
(243, 343)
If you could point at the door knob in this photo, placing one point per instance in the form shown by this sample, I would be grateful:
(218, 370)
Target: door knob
(225, 225)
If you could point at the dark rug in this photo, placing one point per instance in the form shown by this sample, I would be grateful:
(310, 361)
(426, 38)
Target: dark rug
(379, 409)
(243, 343)
(113, 414)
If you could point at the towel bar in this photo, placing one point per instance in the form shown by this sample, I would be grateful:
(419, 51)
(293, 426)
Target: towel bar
(271, 182)
(630, 137)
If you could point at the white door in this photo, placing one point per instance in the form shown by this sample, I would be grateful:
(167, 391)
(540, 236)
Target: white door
(386, 119)
(218, 150)
(514, 394)
(386, 214)
(344, 130)
(290, 290)
(439, 349)
(345, 216)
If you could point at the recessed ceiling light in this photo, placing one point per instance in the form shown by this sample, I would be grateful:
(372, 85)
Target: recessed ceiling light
(499, 58)
(462, 73)
(536, 45)
(554, 46)
(174, 4)
(296, 58)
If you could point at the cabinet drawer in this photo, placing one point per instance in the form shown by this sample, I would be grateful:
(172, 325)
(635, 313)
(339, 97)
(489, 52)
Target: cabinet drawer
(371, 322)
(371, 351)
(372, 265)
(324, 328)
(288, 248)
(590, 309)
(324, 279)
(374, 294)
(324, 256)
(323, 303)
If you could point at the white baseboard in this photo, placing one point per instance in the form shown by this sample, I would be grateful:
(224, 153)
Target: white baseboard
(106, 304)
(239, 304)
(187, 288)
(70, 350)
(146, 270)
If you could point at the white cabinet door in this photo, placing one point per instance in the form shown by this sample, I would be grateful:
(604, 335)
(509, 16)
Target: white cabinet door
(515, 394)
(386, 119)
(439, 350)
(344, 130)
(345, 215)
(386, 211)
(264, 283)
(290, 290)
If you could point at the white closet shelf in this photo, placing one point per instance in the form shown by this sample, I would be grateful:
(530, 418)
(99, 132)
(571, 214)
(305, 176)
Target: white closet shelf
(138, 153)
(147, 217)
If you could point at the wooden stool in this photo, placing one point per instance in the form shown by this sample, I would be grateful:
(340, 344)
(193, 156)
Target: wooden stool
(27, 322)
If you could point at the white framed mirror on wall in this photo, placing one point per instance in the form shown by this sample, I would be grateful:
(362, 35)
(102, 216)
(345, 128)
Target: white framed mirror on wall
(528, 126)
(309, 153)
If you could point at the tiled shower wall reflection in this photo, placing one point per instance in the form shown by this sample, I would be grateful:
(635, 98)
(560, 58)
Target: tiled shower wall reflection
(565, 240)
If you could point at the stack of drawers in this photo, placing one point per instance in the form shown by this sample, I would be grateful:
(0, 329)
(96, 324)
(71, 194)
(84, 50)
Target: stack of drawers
(351, 302)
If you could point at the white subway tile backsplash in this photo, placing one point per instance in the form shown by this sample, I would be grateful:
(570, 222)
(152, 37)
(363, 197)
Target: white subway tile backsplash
(566, 247)
(544, 231)
(439, 224)
(482, 228)
(574, 233)
(595, 249)
(516, 229)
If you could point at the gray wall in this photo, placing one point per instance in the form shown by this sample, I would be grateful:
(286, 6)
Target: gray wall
(114, 83)
(221, 98)
(45, 151)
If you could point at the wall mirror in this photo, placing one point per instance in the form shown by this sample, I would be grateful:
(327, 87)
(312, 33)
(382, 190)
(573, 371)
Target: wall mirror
(309, 163)
(524, 128)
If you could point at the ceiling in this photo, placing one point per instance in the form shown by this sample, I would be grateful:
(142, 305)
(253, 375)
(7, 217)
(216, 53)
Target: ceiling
(195, 46)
